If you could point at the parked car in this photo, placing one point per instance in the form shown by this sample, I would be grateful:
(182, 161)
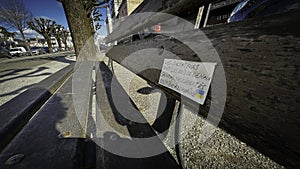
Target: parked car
(254, 8)
(18, 51)
(37, 51)
(4, 53)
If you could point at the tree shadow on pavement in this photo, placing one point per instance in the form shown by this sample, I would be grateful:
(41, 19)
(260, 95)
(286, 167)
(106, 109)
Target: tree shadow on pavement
(17, 91)
(13, 72)
(26, 75)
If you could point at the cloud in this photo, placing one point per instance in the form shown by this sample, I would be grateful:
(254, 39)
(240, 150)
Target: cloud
(46, 17)
(29, 33)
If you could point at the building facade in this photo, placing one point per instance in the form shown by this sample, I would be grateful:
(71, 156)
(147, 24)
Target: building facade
(127, 7)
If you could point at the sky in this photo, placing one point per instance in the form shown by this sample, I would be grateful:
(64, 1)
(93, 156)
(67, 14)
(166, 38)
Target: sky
(52, 9)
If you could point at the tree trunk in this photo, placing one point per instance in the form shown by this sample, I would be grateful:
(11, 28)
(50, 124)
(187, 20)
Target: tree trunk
(48, 40)
(22, 34)
(59, 43)
(80, 29)
(26, 43)
(66, 45)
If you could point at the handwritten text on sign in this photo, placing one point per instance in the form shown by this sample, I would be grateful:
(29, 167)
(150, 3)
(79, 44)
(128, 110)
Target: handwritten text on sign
(191, 79)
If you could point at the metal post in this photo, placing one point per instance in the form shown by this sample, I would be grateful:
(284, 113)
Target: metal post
(207, 14)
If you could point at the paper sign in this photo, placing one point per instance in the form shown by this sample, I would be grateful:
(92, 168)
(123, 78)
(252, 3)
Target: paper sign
(191, 79)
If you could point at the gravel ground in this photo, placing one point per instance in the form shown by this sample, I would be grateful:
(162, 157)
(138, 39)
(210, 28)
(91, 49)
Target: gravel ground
(19, 76)
(220, 150)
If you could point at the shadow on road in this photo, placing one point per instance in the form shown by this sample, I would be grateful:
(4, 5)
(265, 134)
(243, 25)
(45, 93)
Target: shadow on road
(60, 59)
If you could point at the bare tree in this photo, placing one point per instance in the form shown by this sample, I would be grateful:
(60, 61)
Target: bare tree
(91, 7)
(14, 14)
(44, 27)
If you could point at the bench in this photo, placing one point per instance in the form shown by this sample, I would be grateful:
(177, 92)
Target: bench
(259, 57)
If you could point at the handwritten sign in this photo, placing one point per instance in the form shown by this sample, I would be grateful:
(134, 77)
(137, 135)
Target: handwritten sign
(191, 79)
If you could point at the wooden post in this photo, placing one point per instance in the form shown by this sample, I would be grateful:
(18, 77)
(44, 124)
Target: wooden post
(199, 17)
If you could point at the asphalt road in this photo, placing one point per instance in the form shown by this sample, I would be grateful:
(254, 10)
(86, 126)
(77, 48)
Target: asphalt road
(18, 74)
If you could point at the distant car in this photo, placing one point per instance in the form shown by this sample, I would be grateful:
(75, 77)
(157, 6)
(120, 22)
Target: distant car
(37, 51)
(46, 49)
(18, 51)
(54, 49)
(254, 8)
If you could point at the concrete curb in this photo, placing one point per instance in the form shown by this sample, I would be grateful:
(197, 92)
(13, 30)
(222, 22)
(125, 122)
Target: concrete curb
(16, 113)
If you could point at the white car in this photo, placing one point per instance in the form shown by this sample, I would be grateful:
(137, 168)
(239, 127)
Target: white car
(18, 51)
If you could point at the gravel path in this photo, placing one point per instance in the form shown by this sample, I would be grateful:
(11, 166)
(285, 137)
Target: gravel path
(220, 150)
